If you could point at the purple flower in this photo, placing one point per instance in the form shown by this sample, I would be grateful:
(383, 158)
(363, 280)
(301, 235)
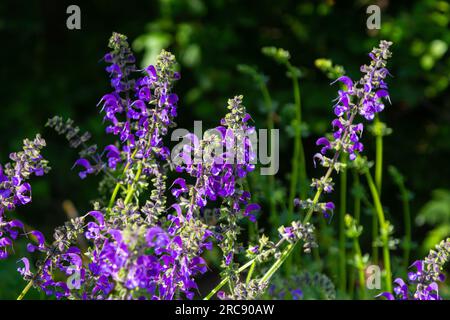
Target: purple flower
(25, 271)
(113, 155)
(325, 143)
(250, 208)
(181, 183)
(423, 281)
(328, 209)
(88, 169)
(297, 294)
(15, 191)
(157, 238)
(40, 242)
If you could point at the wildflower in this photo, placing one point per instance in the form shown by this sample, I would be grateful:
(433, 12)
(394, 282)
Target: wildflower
(15, 191)
(245, 291)
(134, 250)
(423, 281)
(296, 232)
(363, 97)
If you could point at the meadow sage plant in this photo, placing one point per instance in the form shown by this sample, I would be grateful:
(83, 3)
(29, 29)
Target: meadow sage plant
(147, 236)
(363, 98)
(422, 283)
(15, 190)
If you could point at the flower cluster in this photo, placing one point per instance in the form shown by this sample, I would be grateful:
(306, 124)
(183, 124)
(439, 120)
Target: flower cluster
(425, 278)
(219, 163)
(139, 242)
(73, 135)
(139, 110)
(149, 251)
(252, 290)
(364, 97)
(127, 262)
(297, 231)
(15, 190)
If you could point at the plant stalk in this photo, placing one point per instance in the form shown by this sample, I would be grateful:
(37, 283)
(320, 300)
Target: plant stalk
(384, 231)
(342, 212)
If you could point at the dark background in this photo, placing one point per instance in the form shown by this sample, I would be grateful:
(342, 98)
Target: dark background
(49, 70)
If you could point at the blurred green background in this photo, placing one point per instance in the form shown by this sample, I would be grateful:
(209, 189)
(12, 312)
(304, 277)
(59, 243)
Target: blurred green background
(49, 70)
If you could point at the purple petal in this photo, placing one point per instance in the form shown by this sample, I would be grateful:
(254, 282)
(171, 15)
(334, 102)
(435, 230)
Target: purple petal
(345, 80)
(97, 215)
(387, 295)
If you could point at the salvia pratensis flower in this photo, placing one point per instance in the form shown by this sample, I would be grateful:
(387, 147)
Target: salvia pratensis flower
(422, 283)
(134, 251)
(364, 97)
(15, 190)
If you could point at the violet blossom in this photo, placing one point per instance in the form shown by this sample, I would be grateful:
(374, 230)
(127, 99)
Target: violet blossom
(15, 191)
(422, 283)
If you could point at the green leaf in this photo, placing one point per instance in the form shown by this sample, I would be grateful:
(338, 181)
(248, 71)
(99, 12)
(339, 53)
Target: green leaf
(437, 210)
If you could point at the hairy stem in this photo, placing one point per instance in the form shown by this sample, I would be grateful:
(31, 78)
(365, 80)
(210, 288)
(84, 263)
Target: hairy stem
(250, 272)
(225, 280)
(378, 156)
(342, 212)
(284, 255)
(289, 248)
(119, 184)
(25, 290)
(132, 188)
(310, 211)
(378, 180)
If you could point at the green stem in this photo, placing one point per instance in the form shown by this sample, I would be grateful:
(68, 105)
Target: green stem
(298, 174)
(25, 290)
(298, 158)
(351, 284)
(378, 180)
(225, 280)
(289, 248)
(378, 157)
(114, 195)
(384, 232)
(217, 288)
(342, 212)
(357, 197)
(270, 125)
(284, 255)
(310, 211)
(374, 238)
(119, 184)
(360, 267)
(250, 273)
(133, 185)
